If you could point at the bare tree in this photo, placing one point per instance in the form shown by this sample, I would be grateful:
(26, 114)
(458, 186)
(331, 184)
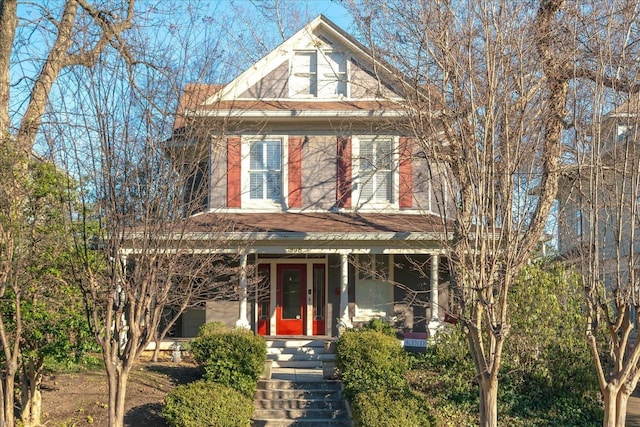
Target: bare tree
(62, 31)
(145, 174)
(140, 195)
(600, 218)
(489, 91)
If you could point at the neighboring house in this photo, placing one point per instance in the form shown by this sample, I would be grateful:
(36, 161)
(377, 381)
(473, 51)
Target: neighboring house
(604, 185)
(328, 205)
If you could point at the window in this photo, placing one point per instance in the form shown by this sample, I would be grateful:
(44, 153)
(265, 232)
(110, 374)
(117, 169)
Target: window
(623, 132)
(304, 79)
(375, 171)
(196, 192)
(332, 79)
(578, 219)
(374, 287)
(265, 170)
(373, 267)
(321, 74)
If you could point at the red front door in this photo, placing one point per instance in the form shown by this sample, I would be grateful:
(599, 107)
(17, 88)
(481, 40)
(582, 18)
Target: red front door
(291, 299)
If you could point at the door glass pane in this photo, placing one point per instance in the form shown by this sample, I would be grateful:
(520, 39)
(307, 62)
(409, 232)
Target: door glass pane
(264, 290)
(291, 284)
(318, 293)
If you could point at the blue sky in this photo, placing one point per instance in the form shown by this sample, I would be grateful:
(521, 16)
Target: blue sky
(179, 28)
(333, 10)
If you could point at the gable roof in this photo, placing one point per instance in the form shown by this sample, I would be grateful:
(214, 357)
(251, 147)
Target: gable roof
(318, 31)
(230, 100)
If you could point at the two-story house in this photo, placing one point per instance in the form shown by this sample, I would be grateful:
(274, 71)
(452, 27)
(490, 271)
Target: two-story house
(327, 202)
(602, 185)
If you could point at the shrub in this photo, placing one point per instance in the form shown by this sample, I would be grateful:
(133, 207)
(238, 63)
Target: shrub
(547, 376)
(213, 328)
(380, 325)
(382, 409)
(234, 358)
(371, 361)
(204, 403)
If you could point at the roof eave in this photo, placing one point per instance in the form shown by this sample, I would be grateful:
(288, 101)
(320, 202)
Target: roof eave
(261, 114)
(253, 236)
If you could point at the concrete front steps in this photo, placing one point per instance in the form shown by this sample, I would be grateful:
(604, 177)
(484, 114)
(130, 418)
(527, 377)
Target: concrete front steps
(300, 389)
(303, 402)
(300, 352)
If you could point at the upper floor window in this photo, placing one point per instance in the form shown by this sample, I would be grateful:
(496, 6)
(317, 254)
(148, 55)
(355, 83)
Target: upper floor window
(318, 73)
(623, 132)
(375, 162)
(578, 223)
(265, 170)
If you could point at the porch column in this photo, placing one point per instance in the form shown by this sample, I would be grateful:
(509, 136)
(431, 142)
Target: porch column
(434, 324)
(243, 321)
(434, 288)
(344, 291)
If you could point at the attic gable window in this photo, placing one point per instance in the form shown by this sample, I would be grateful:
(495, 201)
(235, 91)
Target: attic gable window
(318, 74)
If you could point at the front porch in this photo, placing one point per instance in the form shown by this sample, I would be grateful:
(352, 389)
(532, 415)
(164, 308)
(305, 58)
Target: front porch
(315, 295)
(311, 274)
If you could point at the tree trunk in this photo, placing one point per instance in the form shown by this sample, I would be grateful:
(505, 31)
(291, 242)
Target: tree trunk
(1, 403)
(609, 406)
(119, 399)
(156, 350)
(8, 399)
(118, 376)
(621, 416)
(31, 398)
(488, 403)
(615, 406)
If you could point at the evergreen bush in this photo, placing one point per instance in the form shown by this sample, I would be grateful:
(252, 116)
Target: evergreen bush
(234, 357)
(370, 361)
(205, 403)
(380, 325)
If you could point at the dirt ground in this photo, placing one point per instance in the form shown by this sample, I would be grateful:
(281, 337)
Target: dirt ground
(80, 399)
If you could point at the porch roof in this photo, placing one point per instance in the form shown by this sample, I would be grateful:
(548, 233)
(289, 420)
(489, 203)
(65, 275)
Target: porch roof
(302, 232)
(311, 223)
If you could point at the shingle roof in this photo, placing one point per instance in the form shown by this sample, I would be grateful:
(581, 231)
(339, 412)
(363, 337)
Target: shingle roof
(317, 223)
(193, 95)
(192, 102)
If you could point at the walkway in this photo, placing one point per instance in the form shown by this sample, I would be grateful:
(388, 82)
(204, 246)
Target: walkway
(633, 409)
